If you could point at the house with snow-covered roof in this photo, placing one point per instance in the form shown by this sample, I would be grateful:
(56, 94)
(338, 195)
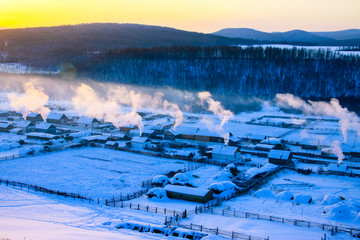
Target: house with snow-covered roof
(188, 193)
(128, 127)
(26, 126)
(280, 157)
(225, 153)
(181, 132)
(87, 122)
(34, 117)
(5, 127)
(57, 118)
(140, 143)
(45, 128)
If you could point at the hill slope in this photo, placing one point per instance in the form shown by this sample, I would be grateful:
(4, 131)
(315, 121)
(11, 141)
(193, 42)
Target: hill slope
(294, 36)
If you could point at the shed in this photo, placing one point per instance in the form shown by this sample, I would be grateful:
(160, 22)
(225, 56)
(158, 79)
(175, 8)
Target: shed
(57, 118)
(87, 122)
(188, 193)
(338, 169)
(45, 128)
(140, 143)
(225, 153)
(5, 127)
(96, 139)
(264, 147)
(34, 117)
(280, 157)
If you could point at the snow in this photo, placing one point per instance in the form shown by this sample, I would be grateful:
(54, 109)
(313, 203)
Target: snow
(285, 196)
(160, 180)
(45, 218)
(159, 193)
(224, 150)
(254, 171)
(223, 189)
(264, 193)
(302, 198)
(179, 178)
(279, 154)
(139, 140)
(95, 172)
(186, 190)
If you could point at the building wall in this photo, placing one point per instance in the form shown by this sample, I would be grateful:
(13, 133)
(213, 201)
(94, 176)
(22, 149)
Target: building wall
(190, 198)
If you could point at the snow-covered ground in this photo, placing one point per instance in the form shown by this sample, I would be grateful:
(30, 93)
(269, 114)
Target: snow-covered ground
(94, 172)
(317, 186)
(26, 215)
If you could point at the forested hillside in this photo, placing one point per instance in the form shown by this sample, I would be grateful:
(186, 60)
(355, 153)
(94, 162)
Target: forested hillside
(231, 70)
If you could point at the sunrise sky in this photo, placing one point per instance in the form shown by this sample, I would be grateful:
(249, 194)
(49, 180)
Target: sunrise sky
(194, 15)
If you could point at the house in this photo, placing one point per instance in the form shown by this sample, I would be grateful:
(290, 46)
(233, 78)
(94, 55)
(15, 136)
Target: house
(338, 169)
(280, 157)
(120, 136)
(208, 136)
(185, 154)
(188, 193)
(57, 118)
(255, 138)
(5, 127)
(111, 145)
(45, 128)
(128, 127)
(34, 117)
(41, 136)
(87, 122)
(264, 147)
(95, 139)
(226, 153)
(26, 126)
(4, 114)
(181, 132)
(140, 143)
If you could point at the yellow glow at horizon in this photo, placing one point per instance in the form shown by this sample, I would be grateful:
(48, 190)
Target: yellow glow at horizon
(195, 15)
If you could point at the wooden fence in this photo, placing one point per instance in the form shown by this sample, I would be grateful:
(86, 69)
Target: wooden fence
(220, 232)
(355, 232)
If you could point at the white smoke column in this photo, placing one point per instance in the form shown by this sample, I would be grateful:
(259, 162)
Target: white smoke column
(33, 100)
(88, 103)
(215, 107)
(336, 149)
(175, 112)
(348, 120)
(226, 137)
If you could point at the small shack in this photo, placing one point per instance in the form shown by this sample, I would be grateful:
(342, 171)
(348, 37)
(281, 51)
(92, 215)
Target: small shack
(280, 157)
(45, 128)
(188, 193)
(34, 117)
(57, 118)
(140, 143)
(226, 153)
(111, 145)
(128, 127)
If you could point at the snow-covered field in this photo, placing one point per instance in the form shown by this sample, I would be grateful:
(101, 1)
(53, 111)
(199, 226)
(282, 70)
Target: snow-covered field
(94, 172)
(316, 186)
(26, 215)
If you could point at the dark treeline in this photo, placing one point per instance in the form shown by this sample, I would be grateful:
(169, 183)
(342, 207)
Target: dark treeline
(231, 70)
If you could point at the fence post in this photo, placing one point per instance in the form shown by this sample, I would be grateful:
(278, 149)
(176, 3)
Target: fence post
(217, 231)
(147, 208)
(200, 228)
(138, 206)
(165, 211)
(155, 209)
(105, 202)
(190, 226)
(232, 235)
(122, 204)
(130, 205)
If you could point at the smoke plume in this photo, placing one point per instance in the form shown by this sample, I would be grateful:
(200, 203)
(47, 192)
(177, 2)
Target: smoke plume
(348, 120)
(88, 103)
(335, 149)
(33, 100)
(215, 107)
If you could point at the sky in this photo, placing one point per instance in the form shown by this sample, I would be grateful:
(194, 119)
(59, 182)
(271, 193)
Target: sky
(192, 15)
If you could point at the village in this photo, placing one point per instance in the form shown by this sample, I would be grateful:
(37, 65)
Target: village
(192, 172)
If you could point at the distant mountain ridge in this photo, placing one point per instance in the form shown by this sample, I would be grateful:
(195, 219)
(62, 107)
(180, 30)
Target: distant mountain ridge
(351, 35)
